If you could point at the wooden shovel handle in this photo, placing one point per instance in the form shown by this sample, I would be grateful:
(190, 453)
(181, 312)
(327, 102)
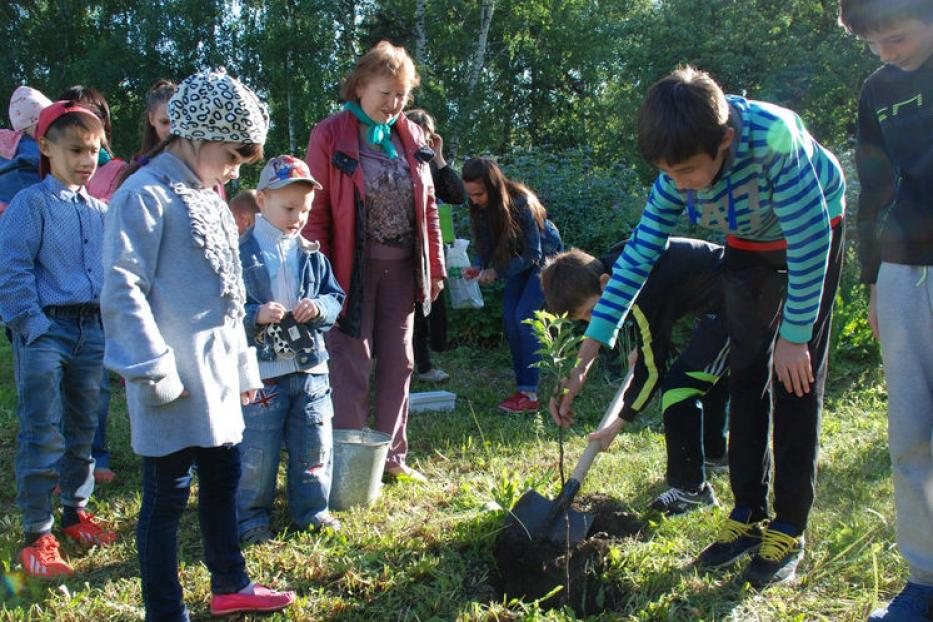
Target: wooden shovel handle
(586, 460)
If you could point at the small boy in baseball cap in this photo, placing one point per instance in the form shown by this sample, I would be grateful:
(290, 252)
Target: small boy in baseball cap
(19, 151)
(292, 299)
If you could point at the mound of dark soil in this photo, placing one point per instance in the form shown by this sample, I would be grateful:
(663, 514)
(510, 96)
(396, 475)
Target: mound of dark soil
(531, 570)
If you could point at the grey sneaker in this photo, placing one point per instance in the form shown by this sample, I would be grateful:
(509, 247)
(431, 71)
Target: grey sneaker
(678, 501)
(434, 375)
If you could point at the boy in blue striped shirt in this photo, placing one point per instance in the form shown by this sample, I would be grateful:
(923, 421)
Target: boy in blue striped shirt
(751, 170)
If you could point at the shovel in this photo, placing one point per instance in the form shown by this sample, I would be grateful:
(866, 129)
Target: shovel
(538, 517)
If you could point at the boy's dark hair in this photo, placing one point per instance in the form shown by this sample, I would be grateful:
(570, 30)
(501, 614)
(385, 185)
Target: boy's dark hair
(684, 114)
(861, 17)
(82, 122)
(93, 100)
(569, 279)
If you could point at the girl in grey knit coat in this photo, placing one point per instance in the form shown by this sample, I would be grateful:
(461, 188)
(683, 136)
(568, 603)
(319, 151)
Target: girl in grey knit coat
(172, 306)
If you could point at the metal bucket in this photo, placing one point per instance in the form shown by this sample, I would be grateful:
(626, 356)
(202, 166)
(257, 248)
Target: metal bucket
(359, 457)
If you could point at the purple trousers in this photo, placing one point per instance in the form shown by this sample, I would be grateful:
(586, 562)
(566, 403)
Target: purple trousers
(386, 337)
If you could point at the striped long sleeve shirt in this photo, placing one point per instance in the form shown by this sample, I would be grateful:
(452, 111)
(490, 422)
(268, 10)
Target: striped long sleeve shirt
(778, 184)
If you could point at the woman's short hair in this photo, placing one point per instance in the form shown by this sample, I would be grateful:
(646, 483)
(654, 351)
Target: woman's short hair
(383, 60)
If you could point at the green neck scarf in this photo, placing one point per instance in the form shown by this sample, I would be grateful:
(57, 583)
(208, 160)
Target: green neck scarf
(378, 133)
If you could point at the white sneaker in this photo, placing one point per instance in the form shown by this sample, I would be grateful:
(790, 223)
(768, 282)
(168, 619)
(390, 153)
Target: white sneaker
(434, 375)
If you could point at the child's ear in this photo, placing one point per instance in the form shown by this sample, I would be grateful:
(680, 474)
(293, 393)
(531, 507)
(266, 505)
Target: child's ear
(261, 199)
(727, 138)
(604, 281)
(44, 148)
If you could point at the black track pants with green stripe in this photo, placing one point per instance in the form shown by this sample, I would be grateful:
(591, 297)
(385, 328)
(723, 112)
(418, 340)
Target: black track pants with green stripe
(694, 396)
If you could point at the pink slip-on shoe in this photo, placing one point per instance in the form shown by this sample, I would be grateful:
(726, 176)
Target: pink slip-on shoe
(261, 599)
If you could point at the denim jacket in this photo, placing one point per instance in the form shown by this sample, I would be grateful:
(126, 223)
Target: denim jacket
(538, 245)
(316, 282)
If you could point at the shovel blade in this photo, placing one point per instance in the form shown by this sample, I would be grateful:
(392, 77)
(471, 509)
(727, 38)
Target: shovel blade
(531, 513)
(579, 523)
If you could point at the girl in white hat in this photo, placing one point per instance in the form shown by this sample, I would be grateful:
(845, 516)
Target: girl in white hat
(173, 311)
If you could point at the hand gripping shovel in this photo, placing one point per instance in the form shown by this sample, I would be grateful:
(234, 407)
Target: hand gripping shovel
(541, 519)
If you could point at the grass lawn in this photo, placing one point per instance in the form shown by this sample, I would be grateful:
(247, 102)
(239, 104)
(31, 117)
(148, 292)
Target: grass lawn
(423, 552)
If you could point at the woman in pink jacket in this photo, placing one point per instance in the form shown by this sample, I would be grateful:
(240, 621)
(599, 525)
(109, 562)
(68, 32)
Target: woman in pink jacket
(376, 221)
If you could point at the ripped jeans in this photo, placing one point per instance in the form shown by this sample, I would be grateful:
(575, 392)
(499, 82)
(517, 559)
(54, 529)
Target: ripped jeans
(297, 408)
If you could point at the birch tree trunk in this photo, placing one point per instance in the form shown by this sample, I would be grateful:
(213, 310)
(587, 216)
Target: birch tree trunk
(421, 33)
(289, 97)
(475, 71)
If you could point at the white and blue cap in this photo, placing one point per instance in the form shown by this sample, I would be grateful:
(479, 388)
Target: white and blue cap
(283, 170)
(212, 105)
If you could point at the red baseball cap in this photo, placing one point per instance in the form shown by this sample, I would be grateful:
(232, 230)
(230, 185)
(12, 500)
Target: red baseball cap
(47, 117)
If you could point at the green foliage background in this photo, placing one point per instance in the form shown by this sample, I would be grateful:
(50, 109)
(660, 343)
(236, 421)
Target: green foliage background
(555, 101)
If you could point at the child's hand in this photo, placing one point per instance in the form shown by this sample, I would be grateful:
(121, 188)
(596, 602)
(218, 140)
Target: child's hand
(471, 273)
(487, 276)
(270, 313)
(247, 397)
(607, 434)
(305, 310)
(792, 366)
(561, 406)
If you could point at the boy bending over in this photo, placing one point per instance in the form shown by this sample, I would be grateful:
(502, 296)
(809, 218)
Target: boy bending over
(685, 282)
(751, 170)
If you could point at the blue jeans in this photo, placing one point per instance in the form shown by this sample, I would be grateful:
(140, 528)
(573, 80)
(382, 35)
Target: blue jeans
(57, 387)
(297, 407)
(166, 484)
(522, 297)
(99, 445)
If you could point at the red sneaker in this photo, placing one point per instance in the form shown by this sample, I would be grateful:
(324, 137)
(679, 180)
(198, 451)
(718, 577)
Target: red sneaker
(519, 403)
(103, 476)
(508, 404)
(89, 532)
(42, 559)
(261, 599)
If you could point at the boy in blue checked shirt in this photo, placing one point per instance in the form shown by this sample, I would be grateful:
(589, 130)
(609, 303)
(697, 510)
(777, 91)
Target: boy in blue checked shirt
(895, 226)
(50, 278)
(292, 299)
(751, 170)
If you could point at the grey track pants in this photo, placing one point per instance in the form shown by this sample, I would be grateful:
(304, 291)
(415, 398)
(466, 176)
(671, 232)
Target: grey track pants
(905, 318)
